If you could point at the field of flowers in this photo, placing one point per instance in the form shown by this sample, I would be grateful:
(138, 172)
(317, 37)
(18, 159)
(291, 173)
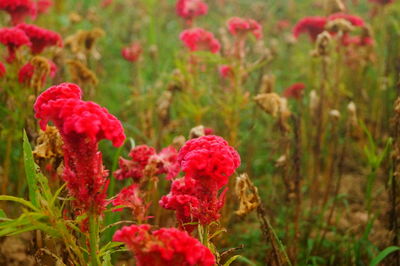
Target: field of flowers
(199, 132)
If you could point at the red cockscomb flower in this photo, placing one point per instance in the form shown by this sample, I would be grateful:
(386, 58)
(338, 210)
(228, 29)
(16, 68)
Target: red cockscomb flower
(354, 20)
(129, 197)
(210, 160)
(40, 38)
(132, 52)
(43, 6)
(241, 26)
(166, 246)
(225, 71)
(312, 26)
(82, 125)
(167, 162)
(134, 168)
(13, 38)
(19, 9)
(295, 91)
(198, 39)
(26, 72)
(189, 9)
(2, 70)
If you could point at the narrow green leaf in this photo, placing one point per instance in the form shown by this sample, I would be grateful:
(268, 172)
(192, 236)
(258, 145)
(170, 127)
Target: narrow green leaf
(231, 259)
(3, 214)
(19, 200)
(30, 170)
(382, 255)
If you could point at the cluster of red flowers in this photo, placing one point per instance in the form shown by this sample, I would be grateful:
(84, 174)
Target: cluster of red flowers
(208, 162)
(26, 72)
(13, 38)
(313, 26)
(241, 26)
(129, 197)
(19, 9)
(295, 91)
(132, 52)
(189, 9)
(40, 37)
(166, 246)
(225, 71)
(144, 157)
(82, 125)
(198, 39)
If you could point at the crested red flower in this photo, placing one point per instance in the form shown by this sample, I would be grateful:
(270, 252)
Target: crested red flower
(82, 125)
(295, 91)
(129, 197)
(40, 37)
(198, 39)
(134, 168)
(167, 162)
(43, 6)
(26, 72)
(357, 40)
(166, 246)
(132, 52)
(19, 9)
(2, 70)
(13, 38)
(210, 160)
(241, 26)
(354, 20)
(225, 71)
(312, 26)
(189, 9)
(193, 202)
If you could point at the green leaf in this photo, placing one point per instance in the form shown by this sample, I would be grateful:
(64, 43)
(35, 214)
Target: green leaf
(231, 259)
(19, 200)
(30, 170)
(3, 214)
(382, 255)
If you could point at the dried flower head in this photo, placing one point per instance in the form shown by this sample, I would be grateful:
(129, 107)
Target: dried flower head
(132, 52)
(19, 9)
(40, 37)
(35, 72)
(247, 194)
(267, 84)
(81, 125)
(80, 74)
(163, 106)
(339, 25)
(13, 38)
(240, 27)
(49, 144)
(314, 102)
(322, 45)
(198, 39)
(166, 246)
(83, 43)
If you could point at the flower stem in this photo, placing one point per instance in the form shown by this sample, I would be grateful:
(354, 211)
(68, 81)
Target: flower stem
(93, 239)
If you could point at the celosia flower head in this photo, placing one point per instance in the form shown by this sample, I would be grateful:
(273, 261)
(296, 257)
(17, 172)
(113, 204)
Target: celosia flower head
(129, 197)
(2, 70)
(134, 168)
(241, 26)
(198, 39)
(132, 52)
(312, 26)
(82, 125)
(189, 9)
(295, 91)
(40, 38)
(43, 6)
(19, 9)
(13, 38)
(26, 72)
(209, 159)
(166, 246)
(354, 20)
(225, 71)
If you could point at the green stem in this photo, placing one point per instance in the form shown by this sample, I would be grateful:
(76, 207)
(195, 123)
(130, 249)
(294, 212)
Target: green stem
(93, 239)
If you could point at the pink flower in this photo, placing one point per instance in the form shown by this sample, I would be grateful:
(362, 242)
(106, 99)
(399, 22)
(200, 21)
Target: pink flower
(193, 202)
(167, 162)
(132, 52)
(129, 197)
(354, 20)
(198, 39)
(13, 38)
(26, 72)
(225, 71)
(40, 38)
(134, 168)
(241, 26)
(312, 26)
(82, 125)
(189, 9)
(43, 6)
(19, 9)
(2, 70)
(295, 91)
(210, 160)
(166, 246)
